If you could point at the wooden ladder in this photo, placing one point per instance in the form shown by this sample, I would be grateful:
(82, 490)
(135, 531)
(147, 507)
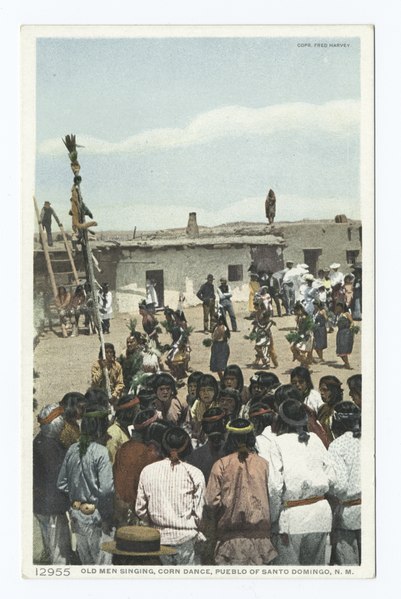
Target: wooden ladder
(50, 259)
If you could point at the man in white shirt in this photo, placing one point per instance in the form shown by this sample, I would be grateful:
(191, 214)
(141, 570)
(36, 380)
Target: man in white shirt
(105, 302)
(299, 487)
(171, 498)
(262, 417)
(151, 295)
(336, 277)
(287, 285)
(224, 295)
(309, 293)
(345, 456)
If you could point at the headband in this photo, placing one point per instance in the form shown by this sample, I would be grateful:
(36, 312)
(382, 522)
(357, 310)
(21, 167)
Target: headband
(303, 436)
(260, 412)
(214, 418)
(98, 414)
(239, 431)
(52, 416)
(290, 421)
(339, 416)
(130, 404)
(142, 425)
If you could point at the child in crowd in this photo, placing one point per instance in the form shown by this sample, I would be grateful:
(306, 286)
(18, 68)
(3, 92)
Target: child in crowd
(192, 387)
(301, 379)
(207, 394)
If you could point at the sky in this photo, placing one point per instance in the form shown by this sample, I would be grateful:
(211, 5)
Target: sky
(207, 125)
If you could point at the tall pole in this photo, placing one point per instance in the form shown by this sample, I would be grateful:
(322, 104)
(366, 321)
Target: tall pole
(82, 227)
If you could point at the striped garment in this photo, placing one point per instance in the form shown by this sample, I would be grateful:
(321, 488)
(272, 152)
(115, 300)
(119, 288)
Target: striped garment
(170, 498)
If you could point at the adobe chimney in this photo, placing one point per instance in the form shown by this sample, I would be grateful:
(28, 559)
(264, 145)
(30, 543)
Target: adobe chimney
(192, 229)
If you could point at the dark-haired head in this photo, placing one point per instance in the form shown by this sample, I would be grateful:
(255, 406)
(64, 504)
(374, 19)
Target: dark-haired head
(261, 382)
(233, 377)
(96, 396)
(194, 377)
(301, 379)
(142, 422)
(146, 398)
(293, 418)
(214, 425)
(192, 385)
(126, 409)
(241, 438)
(318, 305)
(221, 320)
(176, 444)
(346, 418)
(164, 380)
(286, 392)
(95, 423)
(261, 415)
(155, 432)
(74, 406)
(354, 383)
(213, 421)
(207, 380)
(168, 313)
(144, 418)
(330, 390)
(330, 378)
(148, 380)
(133, 341)
(299, 309)
(340, 307)
(230, 402)
(108, 349)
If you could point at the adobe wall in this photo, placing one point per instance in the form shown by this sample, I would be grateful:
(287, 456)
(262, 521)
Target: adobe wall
(334, 239)
(184, 269)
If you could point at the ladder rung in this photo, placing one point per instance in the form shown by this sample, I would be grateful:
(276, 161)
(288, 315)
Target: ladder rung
(65, 272)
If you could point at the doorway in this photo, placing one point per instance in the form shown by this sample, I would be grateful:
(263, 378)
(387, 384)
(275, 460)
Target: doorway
(267, 257)
(157, 277)
(311, 258)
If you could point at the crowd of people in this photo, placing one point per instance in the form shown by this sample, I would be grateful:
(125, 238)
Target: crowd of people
(319, 304)
(71, 306)
(235, 472)
(295, 284)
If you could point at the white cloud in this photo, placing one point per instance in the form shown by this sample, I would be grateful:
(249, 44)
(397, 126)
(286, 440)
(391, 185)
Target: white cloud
(339, 117)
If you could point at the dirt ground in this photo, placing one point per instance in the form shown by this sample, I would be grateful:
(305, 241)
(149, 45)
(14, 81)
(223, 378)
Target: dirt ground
(64, 365)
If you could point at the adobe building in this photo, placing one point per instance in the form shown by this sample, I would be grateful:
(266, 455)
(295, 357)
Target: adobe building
(320, 243)
(179, 260)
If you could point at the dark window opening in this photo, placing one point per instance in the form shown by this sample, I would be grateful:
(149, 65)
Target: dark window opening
(352, 256)
(235, 272)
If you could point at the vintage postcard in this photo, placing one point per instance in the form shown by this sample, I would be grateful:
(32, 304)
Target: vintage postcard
(198, 216)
